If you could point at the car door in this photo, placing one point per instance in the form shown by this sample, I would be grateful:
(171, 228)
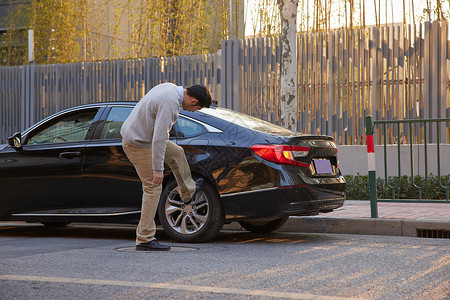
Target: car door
(45, 176)
(111, 185)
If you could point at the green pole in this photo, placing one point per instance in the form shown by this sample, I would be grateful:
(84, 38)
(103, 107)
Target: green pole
(371, 167)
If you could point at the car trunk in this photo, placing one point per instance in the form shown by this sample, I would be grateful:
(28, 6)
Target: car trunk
(322, 155)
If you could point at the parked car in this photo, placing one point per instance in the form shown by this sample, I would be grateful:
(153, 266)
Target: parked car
(70, 167)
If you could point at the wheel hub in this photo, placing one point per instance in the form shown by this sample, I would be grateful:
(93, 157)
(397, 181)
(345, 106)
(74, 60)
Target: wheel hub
(188, 209)
(186, 218)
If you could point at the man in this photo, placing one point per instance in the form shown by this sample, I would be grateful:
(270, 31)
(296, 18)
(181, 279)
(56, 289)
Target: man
(145, 140)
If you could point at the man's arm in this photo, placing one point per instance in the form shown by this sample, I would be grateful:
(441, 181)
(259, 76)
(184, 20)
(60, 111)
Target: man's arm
(165, 117)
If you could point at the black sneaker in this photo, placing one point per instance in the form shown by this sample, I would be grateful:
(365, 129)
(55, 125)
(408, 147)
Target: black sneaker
(152, 246)
(198, 187)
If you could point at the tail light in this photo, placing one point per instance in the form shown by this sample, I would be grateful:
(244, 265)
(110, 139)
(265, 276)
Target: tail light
(281, 154)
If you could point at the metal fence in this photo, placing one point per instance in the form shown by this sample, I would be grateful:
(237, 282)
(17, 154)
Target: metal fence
(414, 184)
(31, 93)
(392, 73)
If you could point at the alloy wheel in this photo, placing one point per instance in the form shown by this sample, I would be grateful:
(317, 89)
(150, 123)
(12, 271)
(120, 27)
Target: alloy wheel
(186, 218)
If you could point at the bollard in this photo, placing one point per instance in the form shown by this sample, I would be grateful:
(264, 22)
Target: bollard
(371, 167)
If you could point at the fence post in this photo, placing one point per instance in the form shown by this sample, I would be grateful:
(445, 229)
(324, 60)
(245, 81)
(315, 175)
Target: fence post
(371, 167)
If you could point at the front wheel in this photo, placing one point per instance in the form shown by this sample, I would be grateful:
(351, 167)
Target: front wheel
(264, 226)
(197, 221)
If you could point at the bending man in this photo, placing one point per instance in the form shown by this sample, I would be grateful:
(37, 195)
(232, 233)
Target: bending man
(145, 140)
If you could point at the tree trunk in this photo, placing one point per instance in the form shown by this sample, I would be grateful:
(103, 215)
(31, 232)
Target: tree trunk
(288, 74)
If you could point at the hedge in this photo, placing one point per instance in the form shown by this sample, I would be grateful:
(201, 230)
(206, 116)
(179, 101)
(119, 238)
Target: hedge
(358, 187)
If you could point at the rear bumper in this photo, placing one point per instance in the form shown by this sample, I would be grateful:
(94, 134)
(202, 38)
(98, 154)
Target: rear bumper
(300, 200)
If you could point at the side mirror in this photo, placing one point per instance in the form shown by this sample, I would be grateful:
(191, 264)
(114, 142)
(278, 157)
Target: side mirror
(15, 141)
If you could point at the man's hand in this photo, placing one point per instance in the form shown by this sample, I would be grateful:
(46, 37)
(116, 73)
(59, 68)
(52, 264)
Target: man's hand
(158, 178)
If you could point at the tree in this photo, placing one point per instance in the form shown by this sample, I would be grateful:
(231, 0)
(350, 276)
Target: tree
(175, 27)
(266, 19)
(435, 11)
(439, 11)
(288, 72)
(89, 30)
(55, 31)
(351, 10)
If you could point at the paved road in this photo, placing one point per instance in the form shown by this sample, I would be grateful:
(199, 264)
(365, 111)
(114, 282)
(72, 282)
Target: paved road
(99, 263)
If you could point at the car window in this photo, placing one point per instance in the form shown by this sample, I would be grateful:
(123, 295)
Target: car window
(114, 121)
(68, 129)
(246, 121)
(188, 128)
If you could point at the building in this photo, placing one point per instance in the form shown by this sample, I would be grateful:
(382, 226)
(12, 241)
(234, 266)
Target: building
(13, 43)
(109, 30)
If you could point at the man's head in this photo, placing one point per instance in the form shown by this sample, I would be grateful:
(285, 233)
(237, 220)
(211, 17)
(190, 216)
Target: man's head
(196, 97)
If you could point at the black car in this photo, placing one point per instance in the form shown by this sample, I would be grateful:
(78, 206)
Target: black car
(70, 167)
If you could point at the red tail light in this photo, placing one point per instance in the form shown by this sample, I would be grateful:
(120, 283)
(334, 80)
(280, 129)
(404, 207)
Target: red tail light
(281, 154)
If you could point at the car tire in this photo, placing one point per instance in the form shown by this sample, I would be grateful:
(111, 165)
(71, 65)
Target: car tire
(55, 224)
(264, 226)
(194, 222)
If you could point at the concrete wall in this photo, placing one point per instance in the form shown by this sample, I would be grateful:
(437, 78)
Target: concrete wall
(353, 160)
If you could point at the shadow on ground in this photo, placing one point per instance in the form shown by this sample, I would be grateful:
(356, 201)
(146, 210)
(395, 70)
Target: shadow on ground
(127, 233)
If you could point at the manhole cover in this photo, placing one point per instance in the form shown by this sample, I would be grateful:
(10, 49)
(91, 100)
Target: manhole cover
(172, 249)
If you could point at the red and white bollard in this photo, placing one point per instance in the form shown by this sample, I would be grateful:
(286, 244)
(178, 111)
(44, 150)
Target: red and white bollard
(371, 167)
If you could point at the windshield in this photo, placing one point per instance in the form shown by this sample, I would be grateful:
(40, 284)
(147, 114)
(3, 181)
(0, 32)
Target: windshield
(246, 121)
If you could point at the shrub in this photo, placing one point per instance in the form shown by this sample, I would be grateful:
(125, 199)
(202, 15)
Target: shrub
(402, 188)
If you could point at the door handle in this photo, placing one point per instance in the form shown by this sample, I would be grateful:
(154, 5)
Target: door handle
(69, 155)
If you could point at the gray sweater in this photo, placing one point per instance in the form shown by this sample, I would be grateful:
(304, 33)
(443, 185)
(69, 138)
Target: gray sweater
(150, 121)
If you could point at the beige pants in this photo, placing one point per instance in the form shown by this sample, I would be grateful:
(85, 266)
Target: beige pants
(141, 158)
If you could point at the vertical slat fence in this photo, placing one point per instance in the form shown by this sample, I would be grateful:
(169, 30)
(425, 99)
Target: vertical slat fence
(392, 73)
(31, 93)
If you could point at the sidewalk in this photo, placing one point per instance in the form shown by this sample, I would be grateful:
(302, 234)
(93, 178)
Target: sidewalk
(394, 219)
(391, 210)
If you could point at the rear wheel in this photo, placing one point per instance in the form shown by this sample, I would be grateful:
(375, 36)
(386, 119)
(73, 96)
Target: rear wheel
(197, 221)
(264, 226)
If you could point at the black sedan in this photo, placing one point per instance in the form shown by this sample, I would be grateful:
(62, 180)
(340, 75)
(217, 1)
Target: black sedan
(70, 167)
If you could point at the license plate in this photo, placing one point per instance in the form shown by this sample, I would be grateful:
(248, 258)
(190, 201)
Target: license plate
(323, 166)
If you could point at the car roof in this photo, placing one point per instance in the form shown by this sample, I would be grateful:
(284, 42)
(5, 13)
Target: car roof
(210, 119)
(108, 103)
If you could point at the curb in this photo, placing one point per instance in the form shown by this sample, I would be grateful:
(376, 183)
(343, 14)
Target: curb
(363, 226)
